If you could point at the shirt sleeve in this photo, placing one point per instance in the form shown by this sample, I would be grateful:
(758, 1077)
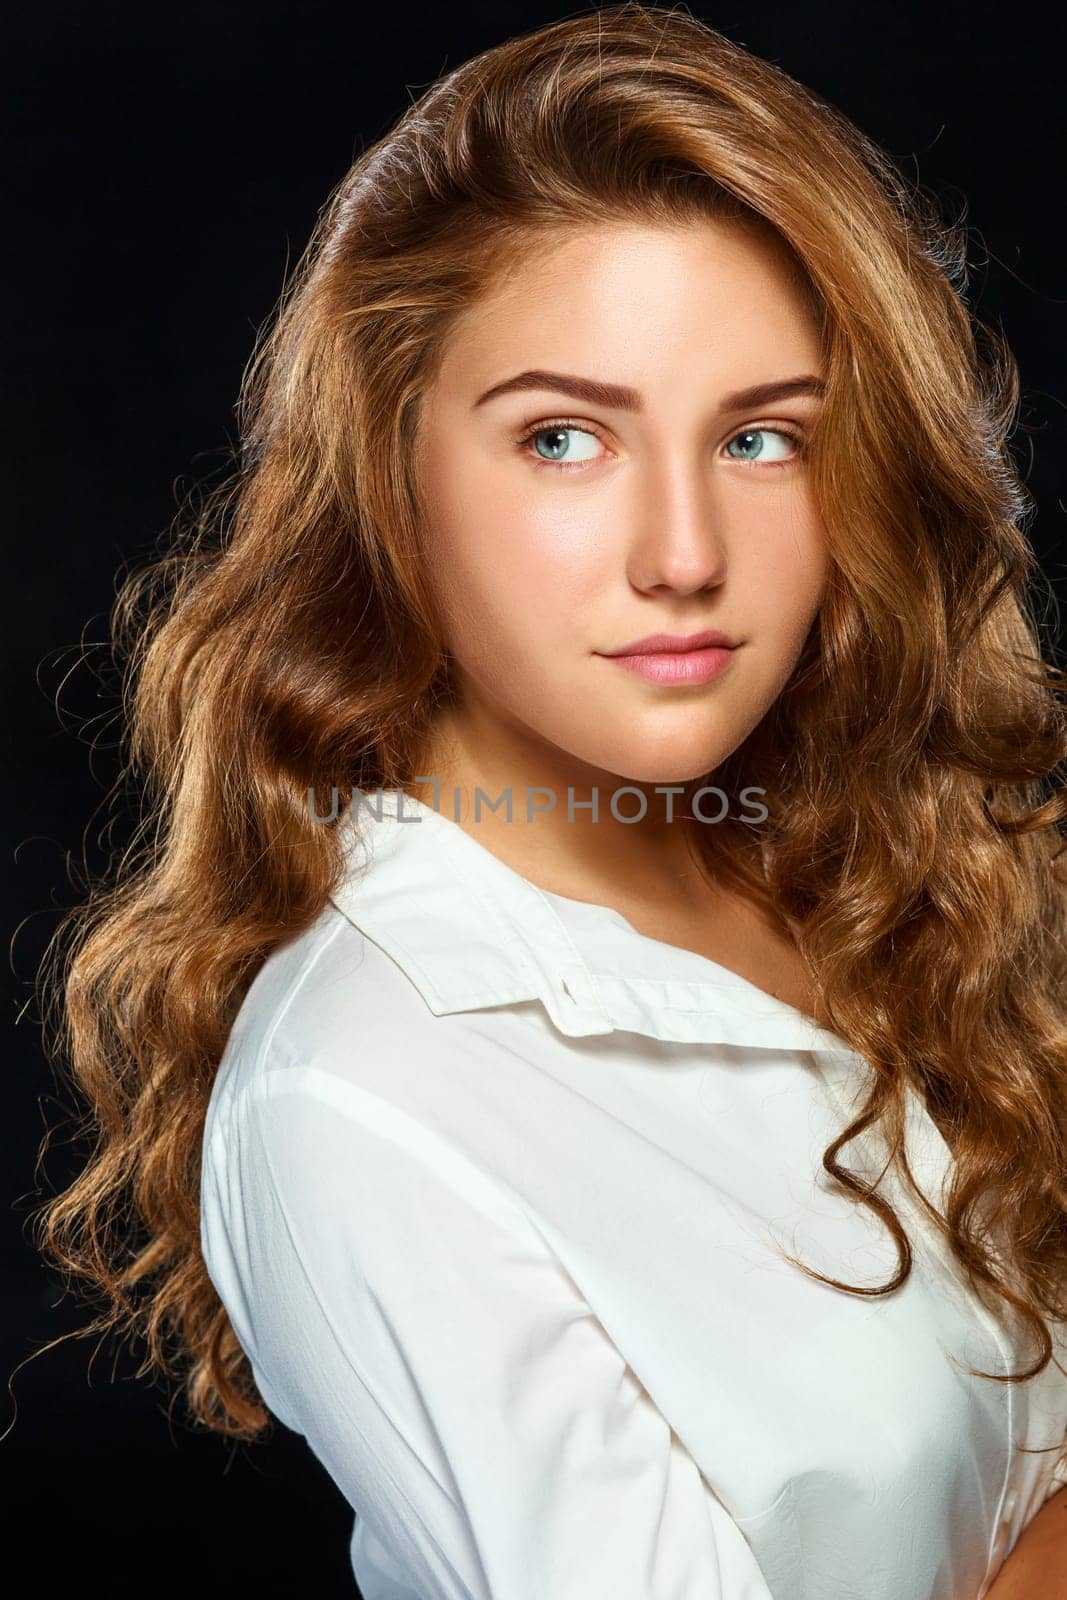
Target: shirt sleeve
(402, 1311)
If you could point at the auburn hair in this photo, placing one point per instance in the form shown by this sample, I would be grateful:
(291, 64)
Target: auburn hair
(288, 642)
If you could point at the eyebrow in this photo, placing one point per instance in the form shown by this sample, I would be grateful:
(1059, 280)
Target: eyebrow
(621, 398)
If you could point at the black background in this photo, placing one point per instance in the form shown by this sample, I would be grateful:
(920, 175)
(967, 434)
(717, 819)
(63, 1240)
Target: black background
(165, 167)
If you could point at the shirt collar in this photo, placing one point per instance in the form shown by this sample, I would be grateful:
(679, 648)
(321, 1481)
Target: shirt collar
(470, 932)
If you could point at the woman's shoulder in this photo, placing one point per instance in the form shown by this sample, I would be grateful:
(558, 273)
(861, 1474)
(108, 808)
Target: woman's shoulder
(339, 1009)
(337, 1068)
(331, 998)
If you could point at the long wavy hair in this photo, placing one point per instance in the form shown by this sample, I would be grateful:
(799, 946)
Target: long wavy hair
(288, 642)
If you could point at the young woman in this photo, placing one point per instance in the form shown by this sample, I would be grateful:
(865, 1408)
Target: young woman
(608, 1095)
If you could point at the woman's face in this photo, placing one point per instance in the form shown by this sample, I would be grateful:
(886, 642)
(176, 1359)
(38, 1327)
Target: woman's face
(677, 507)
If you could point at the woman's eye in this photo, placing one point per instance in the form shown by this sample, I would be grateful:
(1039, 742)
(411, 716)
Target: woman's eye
(753, 446)
(554, 443)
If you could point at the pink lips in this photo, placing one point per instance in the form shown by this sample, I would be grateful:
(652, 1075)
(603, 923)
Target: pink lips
(673, 659)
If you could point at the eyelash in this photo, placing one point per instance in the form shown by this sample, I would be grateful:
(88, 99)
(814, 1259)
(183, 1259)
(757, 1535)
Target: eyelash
(559, 424)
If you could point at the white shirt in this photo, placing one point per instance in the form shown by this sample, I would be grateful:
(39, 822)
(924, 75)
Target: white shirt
(494, 1188)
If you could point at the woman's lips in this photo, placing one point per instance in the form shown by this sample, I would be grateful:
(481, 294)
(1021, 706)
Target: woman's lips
(678, 667)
